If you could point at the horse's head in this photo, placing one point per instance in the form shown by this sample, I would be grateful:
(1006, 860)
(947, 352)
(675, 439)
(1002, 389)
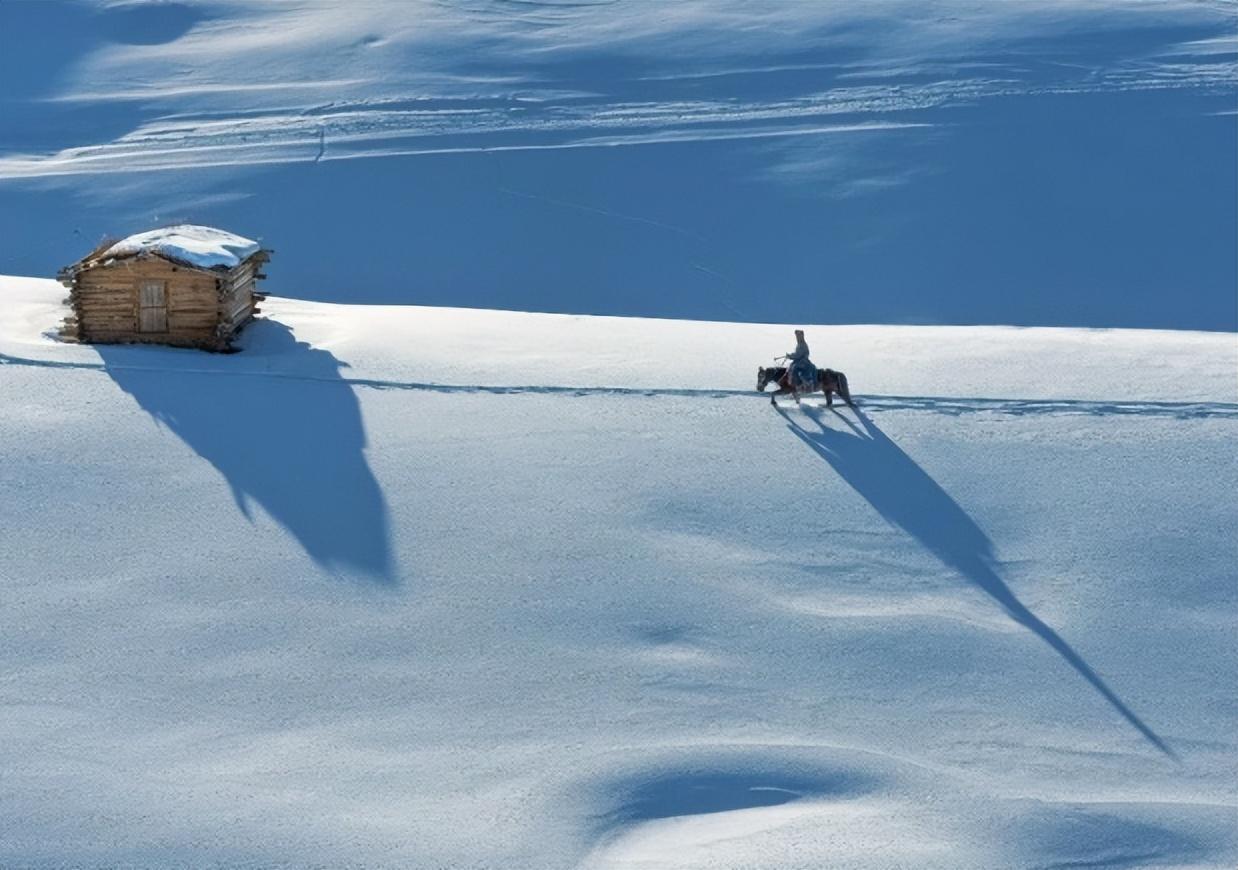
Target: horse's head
(762, 378)
(767, 376)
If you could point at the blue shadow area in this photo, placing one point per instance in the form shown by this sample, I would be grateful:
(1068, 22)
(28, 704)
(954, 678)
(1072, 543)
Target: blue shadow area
(1115, 210)
(293, 445)
(1074, 836)
(686, 795)
(1090, 180)
(725, 788)
(909, 499)
(42, 41)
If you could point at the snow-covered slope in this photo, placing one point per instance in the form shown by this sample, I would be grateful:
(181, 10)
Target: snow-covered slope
(401, 586)
(1035, 162)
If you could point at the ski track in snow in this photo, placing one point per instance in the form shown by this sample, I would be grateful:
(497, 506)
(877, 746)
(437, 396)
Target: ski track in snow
(392, 101)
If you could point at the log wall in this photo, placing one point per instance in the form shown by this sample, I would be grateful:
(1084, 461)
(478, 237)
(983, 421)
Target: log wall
(236, 297)
(204, 309)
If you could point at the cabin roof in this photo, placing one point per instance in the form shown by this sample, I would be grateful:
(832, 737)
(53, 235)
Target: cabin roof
(203, 247)
(197, 247)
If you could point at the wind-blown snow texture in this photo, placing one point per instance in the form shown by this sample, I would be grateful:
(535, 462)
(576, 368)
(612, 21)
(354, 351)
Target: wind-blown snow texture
(414, 587)
(1038, 162)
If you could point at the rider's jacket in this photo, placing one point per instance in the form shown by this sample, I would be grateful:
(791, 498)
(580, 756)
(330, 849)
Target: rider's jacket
(802, 369)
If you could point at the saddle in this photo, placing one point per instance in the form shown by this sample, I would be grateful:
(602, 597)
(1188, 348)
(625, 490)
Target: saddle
(803, 377)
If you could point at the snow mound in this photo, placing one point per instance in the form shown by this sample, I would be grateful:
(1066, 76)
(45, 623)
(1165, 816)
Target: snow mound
(203, 247)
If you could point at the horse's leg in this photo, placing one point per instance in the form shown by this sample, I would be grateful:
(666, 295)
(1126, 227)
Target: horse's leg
(845, 391)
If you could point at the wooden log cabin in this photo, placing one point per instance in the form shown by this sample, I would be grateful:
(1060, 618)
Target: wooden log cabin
(188, 286)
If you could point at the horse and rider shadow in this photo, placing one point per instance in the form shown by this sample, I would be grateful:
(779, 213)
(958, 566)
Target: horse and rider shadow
(908, 498)
(292, 442)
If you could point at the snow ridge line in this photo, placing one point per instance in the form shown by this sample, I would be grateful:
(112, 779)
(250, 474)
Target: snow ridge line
(937, 404)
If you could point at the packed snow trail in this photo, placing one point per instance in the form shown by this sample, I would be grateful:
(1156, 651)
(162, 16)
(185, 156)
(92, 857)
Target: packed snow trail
(953, 406)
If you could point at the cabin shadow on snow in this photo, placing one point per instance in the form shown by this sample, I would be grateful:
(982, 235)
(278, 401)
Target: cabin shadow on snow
(908, 498)
(291, 443)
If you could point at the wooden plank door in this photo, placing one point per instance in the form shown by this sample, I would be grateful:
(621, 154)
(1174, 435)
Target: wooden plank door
(152, 307)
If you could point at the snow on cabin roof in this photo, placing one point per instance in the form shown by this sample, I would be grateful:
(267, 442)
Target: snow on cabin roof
(201, 247)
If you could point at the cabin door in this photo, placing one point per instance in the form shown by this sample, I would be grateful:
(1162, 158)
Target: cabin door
(152, 307)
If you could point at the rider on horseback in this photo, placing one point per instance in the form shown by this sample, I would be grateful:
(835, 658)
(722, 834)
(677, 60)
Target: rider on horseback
(801, 372)
(801, 376)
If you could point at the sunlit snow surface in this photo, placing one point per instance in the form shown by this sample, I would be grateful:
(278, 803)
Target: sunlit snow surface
(1039, 162)
(417, 587)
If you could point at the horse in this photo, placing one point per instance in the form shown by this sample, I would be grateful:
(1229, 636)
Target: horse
(830, 382)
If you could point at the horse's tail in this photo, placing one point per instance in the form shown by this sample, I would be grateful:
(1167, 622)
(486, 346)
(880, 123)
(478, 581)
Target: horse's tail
(844, 390)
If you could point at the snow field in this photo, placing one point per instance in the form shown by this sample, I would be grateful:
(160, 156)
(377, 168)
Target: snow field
(260, 615)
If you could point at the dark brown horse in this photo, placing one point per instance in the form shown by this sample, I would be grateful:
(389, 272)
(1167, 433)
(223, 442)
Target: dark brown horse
(830, 382)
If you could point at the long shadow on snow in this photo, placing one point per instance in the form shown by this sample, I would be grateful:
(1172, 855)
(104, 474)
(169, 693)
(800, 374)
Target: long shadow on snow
(907, 497)
(294, 447)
